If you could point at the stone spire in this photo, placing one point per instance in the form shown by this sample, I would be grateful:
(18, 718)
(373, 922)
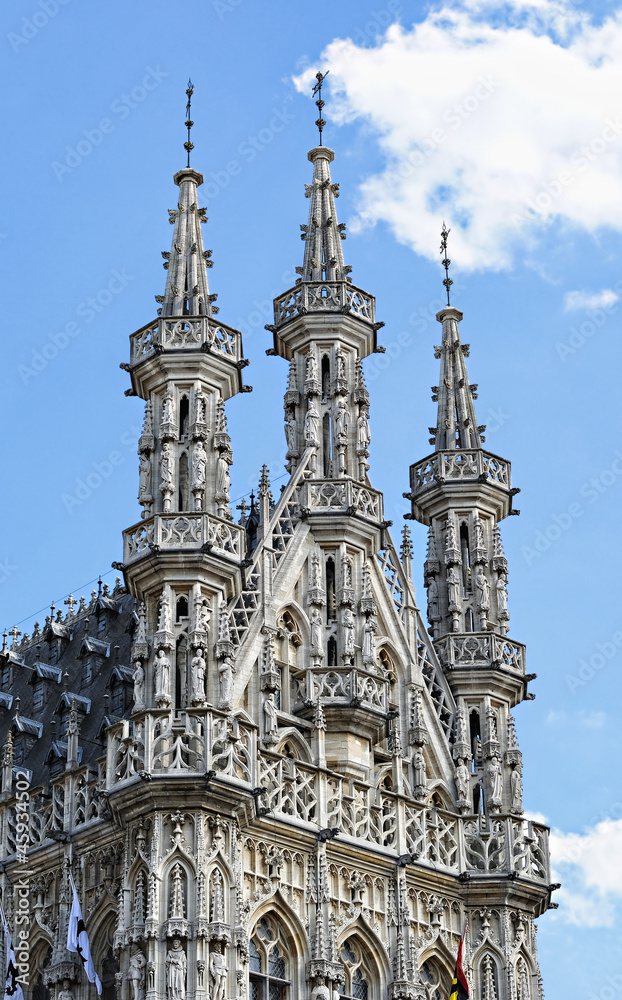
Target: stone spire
(323, 258)
(187, 290)
(456, 425)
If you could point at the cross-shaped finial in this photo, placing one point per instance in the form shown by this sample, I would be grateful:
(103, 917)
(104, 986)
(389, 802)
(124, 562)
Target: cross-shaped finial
(14, 634)
(320, 77)
(70, 602)
(446, 261)
(242, 508)
(189, 146)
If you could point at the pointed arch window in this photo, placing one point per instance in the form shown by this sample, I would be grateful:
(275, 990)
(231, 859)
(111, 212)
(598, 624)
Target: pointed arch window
(268, 967)
(435, 980)
(357, 983)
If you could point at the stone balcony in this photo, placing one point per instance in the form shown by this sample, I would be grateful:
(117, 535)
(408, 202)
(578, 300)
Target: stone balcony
(459, 466)
(324, 296)
(340, 496)
(185, 333)
(481, 649)
(192, 532)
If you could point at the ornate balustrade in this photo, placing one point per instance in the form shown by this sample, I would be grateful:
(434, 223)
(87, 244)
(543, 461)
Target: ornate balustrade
(183, 531)
(341, 496)
(320, 296)
(481, 649)
(174, 333)
(459, 466)
(341, 686)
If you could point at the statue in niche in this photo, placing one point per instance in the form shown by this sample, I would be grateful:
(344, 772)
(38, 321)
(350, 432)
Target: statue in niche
(197, 677)
(501, 588)
(199, 465)
(321, 992)
(167, 471)
(433, 599)
(269, 711)
(311, 367)
(144, 480)
(139, 685)
(363, 436)
(494, 778)
(312, 426)
(369, 640)
(516, 787)
(342, 420)
(462, 781)
(176, 972)
(136, 975)
(482, 590)
(225, 683)
(419, 765)
(341, 363)
(162, 678)
(222, 474)
(479, 534)
(168, 416)
(200, 405)
(291, 433)
(346, 565)
(491, 719)
(347, 624)
(316, 628)
(453, 586)
(65, 993)
(218, 971)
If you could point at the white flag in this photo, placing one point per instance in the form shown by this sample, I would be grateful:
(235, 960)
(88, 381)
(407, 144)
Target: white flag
(78, 940)
(12, 987)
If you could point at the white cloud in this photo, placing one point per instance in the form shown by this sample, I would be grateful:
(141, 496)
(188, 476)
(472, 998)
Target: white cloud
(590, 300)
(502, 120)
(589, 865)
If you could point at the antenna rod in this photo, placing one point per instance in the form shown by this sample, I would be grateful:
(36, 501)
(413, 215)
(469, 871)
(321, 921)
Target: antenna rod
(446, 261)
(320, 77)
(188, 146)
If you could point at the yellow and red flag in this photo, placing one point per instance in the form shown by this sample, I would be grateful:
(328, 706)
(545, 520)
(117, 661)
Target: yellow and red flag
(459, 986)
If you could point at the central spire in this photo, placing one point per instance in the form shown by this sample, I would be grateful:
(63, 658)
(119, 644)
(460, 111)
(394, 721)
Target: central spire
(323, 258)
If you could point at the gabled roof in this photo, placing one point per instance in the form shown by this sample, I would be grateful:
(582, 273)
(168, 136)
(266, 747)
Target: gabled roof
(23, 725)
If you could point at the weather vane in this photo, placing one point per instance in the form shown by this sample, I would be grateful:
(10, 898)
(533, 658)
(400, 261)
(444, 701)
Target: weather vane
(446, 261)
(320, 77)
(188, 146)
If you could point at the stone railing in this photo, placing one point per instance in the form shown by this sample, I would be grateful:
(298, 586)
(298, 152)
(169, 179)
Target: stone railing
(481, 649)
(179, 333)
(323, 296)
(183, 531)
(341, 686)
(342, 496)
(459, 466)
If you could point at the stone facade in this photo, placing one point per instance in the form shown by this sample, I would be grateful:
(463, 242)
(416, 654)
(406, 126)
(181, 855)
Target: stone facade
(268, 779)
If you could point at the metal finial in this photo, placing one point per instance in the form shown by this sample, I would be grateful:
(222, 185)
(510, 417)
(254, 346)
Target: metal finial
(320, 77)
(446, 261)
(189, 146)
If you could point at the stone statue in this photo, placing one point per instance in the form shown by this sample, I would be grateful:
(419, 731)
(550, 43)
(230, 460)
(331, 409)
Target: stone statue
(346, 565)
(139, 685)
(433, 599)
(136, 975)
(162, 678)
(218, 971)
(341, 363)
(321, 992)
(342, 420)
(312, 426)
(347, 624)
(462, 781)
(269, 711)
(482, 590)
(168, 415)
(222, 474)
(369, 641)
(197, 677)
(494, 776)
(200, 405)
(144, 480)
(421, 774)
(316, 628)
(65, 993)
(363, 436)
(167, 468)
(176, 972)
(225, 681)
(291, 433)
(453, 586)
(311, 369)
(501, 588)
(199, 465)
(479, 534)
(516, 787)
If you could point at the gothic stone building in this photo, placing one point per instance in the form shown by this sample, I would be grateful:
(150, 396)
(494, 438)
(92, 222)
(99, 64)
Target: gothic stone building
(268, 778)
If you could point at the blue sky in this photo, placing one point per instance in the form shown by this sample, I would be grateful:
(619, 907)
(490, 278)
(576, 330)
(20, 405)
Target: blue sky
(93, 132)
